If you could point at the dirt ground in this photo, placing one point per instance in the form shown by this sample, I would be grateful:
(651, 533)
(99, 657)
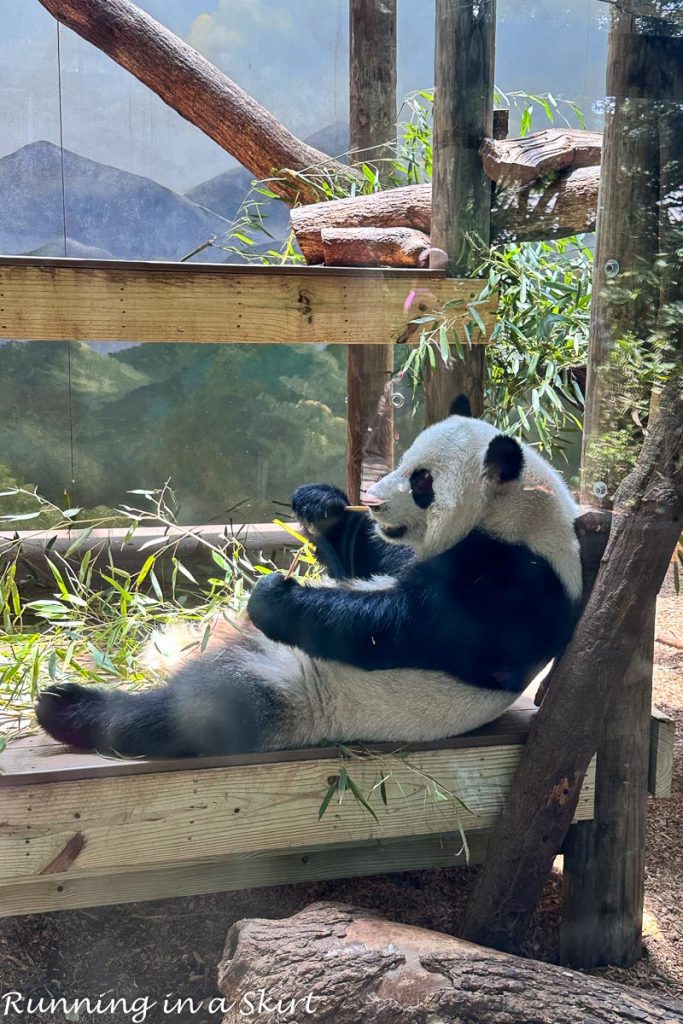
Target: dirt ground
(152, 949)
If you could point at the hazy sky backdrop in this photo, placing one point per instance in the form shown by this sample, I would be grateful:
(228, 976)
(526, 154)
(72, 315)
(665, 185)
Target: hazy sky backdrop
(290, 54)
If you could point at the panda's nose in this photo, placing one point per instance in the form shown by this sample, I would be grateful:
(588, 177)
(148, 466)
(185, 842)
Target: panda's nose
(373, 496)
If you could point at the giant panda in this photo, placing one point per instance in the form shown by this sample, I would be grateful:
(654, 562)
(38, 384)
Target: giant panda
(438, 608)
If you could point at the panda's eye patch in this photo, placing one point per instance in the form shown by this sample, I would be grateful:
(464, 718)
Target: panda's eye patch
(422, 487)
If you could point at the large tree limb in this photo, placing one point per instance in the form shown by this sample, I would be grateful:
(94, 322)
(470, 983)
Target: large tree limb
(646, 524)
(565, 206)
(336, 964)
(199, 92)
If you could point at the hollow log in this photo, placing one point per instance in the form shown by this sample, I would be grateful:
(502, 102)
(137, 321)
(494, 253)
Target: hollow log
(200, 93)
(338, 964)
(519, 161)
(562, 207)
(374, 247)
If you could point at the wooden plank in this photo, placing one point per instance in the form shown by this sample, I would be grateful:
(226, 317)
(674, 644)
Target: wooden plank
(96, 826)
(245, 871)
(101, 300)
(660, 767)
(461, 192)
(39, 759)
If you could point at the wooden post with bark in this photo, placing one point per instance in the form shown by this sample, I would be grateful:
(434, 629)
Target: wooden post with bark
(608, 666)
(461, 191)
(372, 133)
(604, 863)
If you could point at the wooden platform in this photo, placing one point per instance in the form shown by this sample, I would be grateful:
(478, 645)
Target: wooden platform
(79, 830)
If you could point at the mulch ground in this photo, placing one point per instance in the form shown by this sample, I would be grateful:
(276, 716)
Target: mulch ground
(152, 949)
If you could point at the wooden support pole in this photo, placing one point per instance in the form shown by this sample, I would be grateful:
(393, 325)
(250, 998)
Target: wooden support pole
(372, 133)
(604, 863)
(461, 192)
(588, 683)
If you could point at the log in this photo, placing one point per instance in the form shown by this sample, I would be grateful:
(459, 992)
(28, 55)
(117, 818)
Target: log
(565, 206)
(372, 135)
(374, 247)
(465, 46)
(338, 964)
(200, 93)
(568, 728)
(519, 161)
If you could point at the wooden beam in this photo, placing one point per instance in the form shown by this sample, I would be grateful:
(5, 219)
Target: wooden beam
(102, 300)
(461, 192)
(136, 821)
(372, 137)
(242, 871)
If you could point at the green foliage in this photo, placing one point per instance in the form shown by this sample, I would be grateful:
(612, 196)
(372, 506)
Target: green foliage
(396, 775)
(95, 622)
(539, 341)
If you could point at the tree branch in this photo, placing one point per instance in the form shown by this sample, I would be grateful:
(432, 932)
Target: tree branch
(200, 93)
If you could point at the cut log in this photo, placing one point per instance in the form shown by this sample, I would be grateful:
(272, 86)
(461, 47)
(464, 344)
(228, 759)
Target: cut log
(338, 964)
(565, 206)
(199, 92)
(666, 10)
(519, 161)
(374, 247)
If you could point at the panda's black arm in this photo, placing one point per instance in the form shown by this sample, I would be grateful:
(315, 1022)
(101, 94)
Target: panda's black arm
(365, 629)
(347, 544)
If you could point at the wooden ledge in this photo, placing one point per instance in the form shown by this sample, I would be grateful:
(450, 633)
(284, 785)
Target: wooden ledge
(37, 759)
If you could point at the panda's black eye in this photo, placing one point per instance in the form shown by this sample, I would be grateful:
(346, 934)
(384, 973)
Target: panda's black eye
(422, 487)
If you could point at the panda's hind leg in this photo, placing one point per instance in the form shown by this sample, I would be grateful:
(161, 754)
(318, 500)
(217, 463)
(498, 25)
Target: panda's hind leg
(212, 705)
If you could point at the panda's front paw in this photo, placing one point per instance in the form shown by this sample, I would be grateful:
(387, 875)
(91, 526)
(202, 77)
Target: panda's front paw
(72, 714)
(319, 506)
(271, 607)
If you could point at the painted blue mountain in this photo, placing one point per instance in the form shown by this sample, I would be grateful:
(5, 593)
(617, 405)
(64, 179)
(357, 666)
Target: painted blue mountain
(107, 211)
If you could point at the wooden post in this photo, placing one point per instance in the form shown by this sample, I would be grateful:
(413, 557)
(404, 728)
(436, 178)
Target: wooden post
(372, 81)
(604, 863)
(461, 192)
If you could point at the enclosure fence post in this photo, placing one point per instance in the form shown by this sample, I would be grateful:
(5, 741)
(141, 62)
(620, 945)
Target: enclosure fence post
(461, 192)
(604, 860)
(372, 135)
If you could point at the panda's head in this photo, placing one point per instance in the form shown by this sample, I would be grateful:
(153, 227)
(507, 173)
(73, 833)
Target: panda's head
(461, 475)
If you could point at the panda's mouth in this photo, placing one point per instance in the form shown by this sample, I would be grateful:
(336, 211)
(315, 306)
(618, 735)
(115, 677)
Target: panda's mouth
(394, 532)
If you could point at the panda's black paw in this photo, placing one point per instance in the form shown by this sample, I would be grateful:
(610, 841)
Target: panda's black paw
(72, 714)
(319, 505)
(271, 607)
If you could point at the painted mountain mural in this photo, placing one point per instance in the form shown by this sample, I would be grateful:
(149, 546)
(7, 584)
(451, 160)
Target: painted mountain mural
(107, 213)
(234, 427)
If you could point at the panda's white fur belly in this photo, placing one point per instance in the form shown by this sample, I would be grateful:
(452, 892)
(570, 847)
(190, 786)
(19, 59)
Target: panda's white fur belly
(331, 701)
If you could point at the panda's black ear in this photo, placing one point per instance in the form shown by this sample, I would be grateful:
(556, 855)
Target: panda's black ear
(460, 406)
(504, 459)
